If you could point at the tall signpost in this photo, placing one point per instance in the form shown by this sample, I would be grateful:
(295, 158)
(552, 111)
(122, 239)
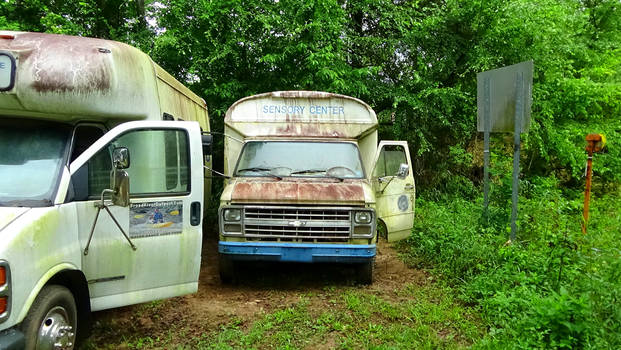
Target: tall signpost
(503, 105)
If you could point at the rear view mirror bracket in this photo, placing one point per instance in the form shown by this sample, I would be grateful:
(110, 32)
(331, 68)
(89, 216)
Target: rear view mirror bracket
(119, 178)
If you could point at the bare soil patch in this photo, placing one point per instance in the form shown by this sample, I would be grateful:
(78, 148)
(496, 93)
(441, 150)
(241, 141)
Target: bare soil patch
(263, 288)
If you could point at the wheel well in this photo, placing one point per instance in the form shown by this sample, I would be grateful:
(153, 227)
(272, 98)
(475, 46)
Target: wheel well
(75, 281)
(382, 230)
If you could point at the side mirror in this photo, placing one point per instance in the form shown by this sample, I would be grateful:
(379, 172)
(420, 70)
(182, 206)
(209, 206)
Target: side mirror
(207, 141)
(404, 170)
(120, 177)
(120, 158)
(120, 196)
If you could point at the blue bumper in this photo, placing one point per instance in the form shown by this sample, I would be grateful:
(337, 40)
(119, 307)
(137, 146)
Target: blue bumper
(297, 252)
(12, 339)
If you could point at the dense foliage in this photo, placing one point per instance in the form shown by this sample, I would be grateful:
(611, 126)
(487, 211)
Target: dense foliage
(555, 288)
(415, 63)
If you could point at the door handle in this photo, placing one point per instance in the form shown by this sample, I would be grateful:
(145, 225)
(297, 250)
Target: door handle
(195, 213)
(409, 187)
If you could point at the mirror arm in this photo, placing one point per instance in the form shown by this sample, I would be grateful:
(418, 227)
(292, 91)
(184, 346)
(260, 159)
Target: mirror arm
(388, 183)
(102, 205)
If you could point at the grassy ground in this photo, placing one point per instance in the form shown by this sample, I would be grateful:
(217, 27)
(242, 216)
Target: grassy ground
(299, 307)
(422, 317)
(553, 287)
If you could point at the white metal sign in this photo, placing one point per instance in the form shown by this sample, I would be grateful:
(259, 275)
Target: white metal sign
(7, 71)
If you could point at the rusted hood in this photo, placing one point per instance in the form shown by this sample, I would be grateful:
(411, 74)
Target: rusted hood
(294, 191)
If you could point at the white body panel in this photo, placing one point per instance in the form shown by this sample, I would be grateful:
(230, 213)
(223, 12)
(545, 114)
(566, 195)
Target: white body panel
(40, 242)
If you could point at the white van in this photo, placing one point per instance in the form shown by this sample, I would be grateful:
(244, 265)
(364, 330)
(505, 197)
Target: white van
(101, 184)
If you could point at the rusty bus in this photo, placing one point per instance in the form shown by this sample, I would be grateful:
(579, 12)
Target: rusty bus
(101, 184)
(308, 182)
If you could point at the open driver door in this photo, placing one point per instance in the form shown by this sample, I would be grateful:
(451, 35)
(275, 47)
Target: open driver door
(393, 183)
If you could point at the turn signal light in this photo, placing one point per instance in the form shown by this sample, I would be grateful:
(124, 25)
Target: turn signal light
(2, 276)
(3, 304)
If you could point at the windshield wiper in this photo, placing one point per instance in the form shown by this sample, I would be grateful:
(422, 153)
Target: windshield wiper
(308, 171)
(266, 171)
(325, 171)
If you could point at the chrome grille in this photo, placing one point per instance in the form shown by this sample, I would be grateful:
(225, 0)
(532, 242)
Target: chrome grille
(291, 224)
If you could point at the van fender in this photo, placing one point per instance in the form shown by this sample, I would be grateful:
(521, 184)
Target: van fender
(40, 284)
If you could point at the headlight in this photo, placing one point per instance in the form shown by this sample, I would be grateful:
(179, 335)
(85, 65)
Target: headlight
(232, 214)
(363, 217)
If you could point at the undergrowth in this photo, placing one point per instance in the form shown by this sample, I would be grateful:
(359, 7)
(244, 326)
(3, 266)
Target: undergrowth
(552, 288)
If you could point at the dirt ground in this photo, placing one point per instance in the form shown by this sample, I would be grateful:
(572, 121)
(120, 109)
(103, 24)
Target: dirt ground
(264, 288)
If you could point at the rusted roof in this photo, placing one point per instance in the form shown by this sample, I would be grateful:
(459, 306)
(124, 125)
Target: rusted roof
(301, 114)
(68, 77)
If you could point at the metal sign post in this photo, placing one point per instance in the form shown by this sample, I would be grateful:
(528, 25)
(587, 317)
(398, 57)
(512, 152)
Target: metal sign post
(519, 110)
(508, 110)
(486, 130)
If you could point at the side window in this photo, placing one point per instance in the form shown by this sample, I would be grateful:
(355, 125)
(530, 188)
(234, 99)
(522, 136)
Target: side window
(158, 163)
(83, 137)
(390, 157)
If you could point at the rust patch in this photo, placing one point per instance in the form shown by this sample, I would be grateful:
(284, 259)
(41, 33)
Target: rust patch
(308, 130)
(61, 63)
(297, 192)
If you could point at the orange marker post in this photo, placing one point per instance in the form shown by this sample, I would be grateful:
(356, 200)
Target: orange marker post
(595, 143)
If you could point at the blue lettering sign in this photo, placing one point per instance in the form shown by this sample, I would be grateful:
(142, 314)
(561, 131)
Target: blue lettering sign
(283, 109)
(334, 110)
(2, 65)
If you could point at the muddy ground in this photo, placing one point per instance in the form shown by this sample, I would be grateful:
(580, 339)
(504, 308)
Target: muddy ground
(264, 288)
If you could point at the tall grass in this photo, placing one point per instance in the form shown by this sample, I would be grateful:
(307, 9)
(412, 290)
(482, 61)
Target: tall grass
(552, 288)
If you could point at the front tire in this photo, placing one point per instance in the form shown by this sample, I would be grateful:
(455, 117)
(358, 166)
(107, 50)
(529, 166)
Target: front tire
(226, 267)
(51, 322)
(364, 272)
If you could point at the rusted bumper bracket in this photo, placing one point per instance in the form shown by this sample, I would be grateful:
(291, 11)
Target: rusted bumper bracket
(297, 252)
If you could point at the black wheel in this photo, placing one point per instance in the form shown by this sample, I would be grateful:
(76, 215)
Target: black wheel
(226, 268)
(364, 272)
(382, 231)
(51, 322)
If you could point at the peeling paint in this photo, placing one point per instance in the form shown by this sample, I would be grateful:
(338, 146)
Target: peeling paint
(60, 63)
(315, 192)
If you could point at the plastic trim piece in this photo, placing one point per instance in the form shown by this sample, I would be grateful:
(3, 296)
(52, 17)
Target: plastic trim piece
(13, 68)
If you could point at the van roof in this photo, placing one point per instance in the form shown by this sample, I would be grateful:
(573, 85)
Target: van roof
(69, 78)
(301, 114)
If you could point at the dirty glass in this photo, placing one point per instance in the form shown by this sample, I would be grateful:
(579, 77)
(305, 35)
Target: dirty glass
(31, 159)
(389, 160)
(300, 159)
(158, 163)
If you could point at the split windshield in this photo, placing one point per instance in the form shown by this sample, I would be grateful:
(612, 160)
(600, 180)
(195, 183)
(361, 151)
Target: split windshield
(279, 159)
(31, 158)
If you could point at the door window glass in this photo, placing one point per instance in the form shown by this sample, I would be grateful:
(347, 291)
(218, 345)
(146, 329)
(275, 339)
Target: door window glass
(158, 163)
(389, 160)
(83, 137)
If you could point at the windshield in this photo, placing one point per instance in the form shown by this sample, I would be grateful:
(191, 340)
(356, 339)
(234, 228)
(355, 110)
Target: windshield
(31, 158)
(300, 159)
